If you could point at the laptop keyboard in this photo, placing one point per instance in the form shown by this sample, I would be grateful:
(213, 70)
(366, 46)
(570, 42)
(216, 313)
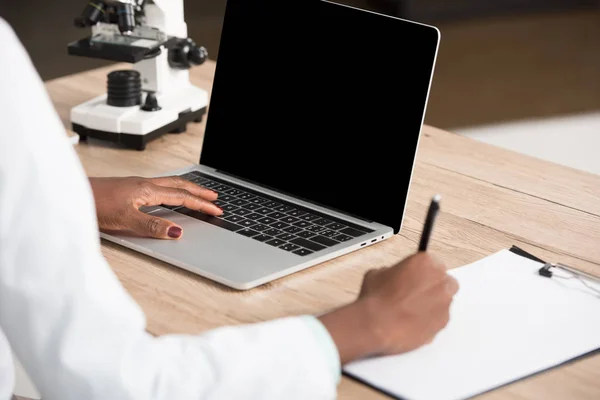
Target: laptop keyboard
(274, 222)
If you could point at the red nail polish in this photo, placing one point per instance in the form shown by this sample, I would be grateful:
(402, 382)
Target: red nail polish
(174, 232)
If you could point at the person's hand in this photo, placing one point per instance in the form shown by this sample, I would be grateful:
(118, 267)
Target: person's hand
(398, 310)
(118, 201)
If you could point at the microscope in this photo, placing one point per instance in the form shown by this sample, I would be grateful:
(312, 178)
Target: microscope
(155, 96)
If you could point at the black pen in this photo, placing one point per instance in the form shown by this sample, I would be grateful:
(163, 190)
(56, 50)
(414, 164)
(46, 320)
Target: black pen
(434, 207)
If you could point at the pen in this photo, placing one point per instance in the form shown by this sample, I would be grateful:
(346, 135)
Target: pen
(434, 207)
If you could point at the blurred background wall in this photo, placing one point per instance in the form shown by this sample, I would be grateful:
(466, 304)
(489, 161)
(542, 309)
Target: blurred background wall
(500, 61)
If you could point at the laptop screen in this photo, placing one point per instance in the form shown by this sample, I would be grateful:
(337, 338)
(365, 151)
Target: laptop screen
(321, 101)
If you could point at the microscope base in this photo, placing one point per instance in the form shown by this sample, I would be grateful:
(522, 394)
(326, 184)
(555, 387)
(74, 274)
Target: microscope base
(133, 127)
(137, 141)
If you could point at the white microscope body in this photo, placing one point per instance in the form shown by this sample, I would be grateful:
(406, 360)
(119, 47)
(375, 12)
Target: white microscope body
(155, 96)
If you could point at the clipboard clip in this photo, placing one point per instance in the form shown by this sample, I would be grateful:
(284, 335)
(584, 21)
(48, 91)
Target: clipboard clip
(546, 271)
(550, 270)
(566, 272)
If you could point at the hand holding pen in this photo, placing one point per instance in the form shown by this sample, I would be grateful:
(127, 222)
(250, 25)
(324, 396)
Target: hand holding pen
(399, 308)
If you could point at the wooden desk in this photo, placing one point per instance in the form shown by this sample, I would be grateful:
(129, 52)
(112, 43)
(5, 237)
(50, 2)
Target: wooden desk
(492, 199)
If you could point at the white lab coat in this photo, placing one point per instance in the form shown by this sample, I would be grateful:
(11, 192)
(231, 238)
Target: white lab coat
(72, 325)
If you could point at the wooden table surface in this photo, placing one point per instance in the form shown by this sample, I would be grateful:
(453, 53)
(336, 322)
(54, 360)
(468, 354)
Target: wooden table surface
(492, 199)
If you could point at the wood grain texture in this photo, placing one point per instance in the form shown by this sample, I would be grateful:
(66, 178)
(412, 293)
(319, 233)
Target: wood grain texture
(492, 199)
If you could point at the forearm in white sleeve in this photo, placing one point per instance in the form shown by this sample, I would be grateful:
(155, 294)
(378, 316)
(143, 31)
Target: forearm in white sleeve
(75, 329)
(7, 372)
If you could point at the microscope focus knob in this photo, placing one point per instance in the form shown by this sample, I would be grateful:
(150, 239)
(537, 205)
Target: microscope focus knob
(198, 55)
(186, 53)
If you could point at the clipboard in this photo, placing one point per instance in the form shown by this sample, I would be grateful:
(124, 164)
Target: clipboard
(379, 372)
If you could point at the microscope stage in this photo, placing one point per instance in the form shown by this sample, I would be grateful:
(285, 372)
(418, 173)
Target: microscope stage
(134, 127)
(118, 48)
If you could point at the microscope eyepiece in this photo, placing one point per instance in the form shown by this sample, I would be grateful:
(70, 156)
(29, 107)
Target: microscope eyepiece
(93, 13)
(125, 17)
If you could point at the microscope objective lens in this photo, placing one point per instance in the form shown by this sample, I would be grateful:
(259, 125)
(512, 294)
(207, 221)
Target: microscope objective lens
(126, 18)
(93, 12)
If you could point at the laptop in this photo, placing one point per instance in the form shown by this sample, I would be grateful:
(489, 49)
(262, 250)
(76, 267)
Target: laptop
(311, 138)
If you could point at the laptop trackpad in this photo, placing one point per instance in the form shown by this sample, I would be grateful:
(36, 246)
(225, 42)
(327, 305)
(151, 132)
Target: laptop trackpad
(214, 252)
